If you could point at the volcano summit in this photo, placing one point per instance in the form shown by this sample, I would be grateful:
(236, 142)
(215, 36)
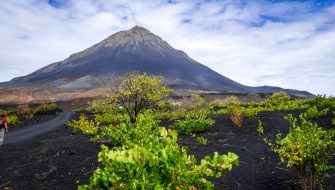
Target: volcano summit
(136, 49)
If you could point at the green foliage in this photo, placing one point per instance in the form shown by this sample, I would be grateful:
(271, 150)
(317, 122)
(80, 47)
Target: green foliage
(13, 120)
(202, 140)
(84, 125)
(260, 129)
(280, 96)
(46, 107)
(236, 115)
(29, 116)
(164, 107)
(251, 112)
(333, 120)
(313, 113)
(157, 164)
(135, 92)
(108, 118)
(194, 122)
(217, 103)
(322, 102)
(232, 101)
(126, 134)
(307, 148)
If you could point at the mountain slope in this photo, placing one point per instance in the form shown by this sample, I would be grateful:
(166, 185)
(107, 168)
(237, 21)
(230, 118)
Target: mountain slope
(136, 49)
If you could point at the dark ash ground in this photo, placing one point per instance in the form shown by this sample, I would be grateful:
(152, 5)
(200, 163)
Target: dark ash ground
(62, 158)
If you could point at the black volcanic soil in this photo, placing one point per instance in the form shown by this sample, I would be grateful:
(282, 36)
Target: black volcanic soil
(62, 158)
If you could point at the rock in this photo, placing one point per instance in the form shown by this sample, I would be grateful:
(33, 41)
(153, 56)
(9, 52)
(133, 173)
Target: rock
(57, 154)
(52, 169)
(45, 174)
(72, 152)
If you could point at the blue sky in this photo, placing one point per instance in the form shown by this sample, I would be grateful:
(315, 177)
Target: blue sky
(290, 44)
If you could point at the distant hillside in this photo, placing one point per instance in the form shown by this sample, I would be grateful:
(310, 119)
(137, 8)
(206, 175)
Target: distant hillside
(136, 49)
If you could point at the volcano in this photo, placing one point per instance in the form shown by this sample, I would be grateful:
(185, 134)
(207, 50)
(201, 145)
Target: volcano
(138, 50)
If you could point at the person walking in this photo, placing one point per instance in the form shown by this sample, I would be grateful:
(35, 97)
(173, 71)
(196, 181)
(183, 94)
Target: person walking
(3, 128)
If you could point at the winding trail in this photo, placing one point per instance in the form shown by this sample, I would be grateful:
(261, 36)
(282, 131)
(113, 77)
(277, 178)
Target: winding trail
(28, 132)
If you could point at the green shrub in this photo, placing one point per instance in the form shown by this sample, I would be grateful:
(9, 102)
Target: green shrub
(12, 120)
(280, 96)
(164, 107)
(125, 133)
(158, 164)
(202, 140)
(217, 103)
(109, 118)
(260, 129)
(84, 125)
(322, 102)
(307, 148)
(236, 115)
(333, 120)
(194, 122)
(313, 113)
(29, 116)
(46, 107)
(251, 112)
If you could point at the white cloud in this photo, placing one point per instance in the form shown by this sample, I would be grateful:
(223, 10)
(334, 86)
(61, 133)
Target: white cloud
(287, 44)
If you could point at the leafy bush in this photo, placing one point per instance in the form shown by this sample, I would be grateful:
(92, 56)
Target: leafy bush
(280, 96)
(260, 129)
(307, 148)
(84, 125)
(232, 101)
(126, 134)
(164, 107)
(46, 107)
(158, 164)
(12, 120)
(251, 112)
(322, 102)
(202, 140)
(194, 122)
(333, 120)
(29, 116)
(217, 103)
(313, 113)
(236, 115)
(108, 118)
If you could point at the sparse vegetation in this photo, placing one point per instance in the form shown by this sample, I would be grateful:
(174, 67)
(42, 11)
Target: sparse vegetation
(307, 148)
(260, 129)
(135, 92)
(314, 113)
(194, 122)
(46, 107)
(13, 119)
(84, 125)
(193, 102)
(202, 140)
(236, 115)
(280, 96)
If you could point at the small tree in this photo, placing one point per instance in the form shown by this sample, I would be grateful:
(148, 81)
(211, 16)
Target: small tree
(307, 148)
(135, 91)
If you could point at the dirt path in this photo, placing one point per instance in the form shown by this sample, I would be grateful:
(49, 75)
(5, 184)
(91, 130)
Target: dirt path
(28, 132)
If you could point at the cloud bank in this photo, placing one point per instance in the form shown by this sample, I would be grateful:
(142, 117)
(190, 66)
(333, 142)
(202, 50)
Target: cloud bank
(290, 44)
